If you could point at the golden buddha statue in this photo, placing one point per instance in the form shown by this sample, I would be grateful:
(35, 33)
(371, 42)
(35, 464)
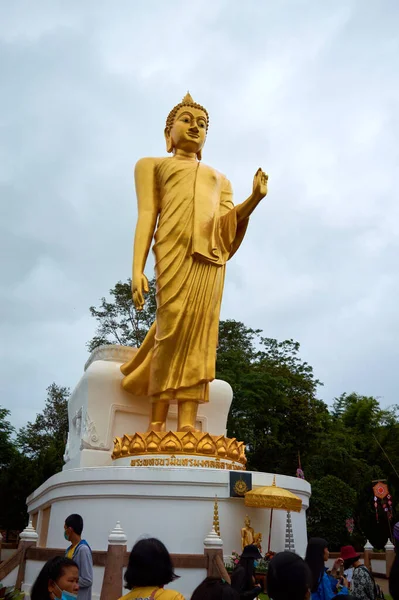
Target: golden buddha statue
(258, 541)
(187, 208)
(247, 534)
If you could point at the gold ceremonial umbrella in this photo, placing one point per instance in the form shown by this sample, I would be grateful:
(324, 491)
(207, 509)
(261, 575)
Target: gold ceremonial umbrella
(271, 496)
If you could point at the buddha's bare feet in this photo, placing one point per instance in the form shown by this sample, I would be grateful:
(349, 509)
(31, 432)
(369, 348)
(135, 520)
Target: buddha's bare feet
(157, 426)
(159, 414)
(188, 428)
(187, 415)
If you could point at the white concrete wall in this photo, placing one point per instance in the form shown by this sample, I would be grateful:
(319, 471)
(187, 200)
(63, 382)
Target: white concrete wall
(174, 504)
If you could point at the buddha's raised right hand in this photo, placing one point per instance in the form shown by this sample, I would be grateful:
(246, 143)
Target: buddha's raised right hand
(139, 288)
(259, 188)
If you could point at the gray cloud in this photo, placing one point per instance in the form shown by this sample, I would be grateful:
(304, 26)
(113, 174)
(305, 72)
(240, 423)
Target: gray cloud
(307, 90)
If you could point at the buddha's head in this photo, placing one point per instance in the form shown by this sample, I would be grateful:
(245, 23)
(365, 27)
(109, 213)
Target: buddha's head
(247, 521)
(186, 127)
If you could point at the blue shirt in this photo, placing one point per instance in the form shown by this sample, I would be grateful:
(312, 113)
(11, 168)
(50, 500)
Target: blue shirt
(327, 589)
(83, 558)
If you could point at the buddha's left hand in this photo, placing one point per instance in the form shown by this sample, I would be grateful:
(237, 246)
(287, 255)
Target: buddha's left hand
(259, 189)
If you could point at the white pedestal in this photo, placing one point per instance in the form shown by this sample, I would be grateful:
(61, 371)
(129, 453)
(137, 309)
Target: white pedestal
(99, 409)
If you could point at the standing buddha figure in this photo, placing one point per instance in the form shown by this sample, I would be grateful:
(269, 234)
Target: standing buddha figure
(247, 534)
(186, 207)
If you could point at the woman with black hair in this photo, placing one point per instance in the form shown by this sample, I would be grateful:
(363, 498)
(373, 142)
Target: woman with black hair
(243, 576)
(149, 570)
(58, 579)
(214, 588)
(324, 587)
(288, 577)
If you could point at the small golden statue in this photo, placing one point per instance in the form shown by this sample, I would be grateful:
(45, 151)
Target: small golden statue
(247, 533)
(258, 541)
(187, 208)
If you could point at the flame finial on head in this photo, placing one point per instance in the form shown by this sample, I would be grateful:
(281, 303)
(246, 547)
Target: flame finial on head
(187, 98)
(187, 101)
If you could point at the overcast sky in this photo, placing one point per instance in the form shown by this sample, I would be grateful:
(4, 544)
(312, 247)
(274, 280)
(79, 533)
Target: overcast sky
(308, 90)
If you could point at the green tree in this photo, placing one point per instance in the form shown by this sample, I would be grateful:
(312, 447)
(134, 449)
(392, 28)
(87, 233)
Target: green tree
(332, 502)
(350, 449)
(44, 440)
(274, 409)
(7, 447)
(17, 481)
(36, 455)
(15, 471)
(291, 400)
(118, 322)
(374, 433)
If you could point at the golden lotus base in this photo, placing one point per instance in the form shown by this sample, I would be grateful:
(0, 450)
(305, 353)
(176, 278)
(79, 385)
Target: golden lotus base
(177, 443)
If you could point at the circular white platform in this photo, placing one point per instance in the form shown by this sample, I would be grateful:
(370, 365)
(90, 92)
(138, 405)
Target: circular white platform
(173, 504)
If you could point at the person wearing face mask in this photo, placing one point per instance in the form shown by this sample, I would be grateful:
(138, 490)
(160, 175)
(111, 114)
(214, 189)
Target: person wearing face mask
(80, 552)
(58, 580)
(243, 576)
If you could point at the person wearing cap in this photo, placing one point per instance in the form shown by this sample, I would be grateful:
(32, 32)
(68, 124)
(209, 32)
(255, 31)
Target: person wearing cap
(394, 574)
(362, 585)
(243, 576)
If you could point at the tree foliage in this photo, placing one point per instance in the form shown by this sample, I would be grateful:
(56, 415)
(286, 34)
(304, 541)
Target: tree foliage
(50, 427)
(34, 455)
(333, 501)
(6, 443)
(274, 409)
(118, 322)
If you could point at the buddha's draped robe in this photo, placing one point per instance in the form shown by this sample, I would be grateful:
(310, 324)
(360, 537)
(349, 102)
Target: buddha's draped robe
(197, 233)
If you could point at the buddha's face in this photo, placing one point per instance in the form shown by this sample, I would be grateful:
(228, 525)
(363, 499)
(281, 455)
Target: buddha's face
(188, 132)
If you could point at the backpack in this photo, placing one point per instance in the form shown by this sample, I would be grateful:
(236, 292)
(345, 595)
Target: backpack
(378, 593)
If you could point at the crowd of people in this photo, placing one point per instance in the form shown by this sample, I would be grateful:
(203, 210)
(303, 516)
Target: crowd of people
(150, 569)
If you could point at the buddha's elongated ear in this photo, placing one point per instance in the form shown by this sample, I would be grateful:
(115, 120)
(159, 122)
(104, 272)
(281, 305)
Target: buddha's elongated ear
(169, 141)
(199, 154)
